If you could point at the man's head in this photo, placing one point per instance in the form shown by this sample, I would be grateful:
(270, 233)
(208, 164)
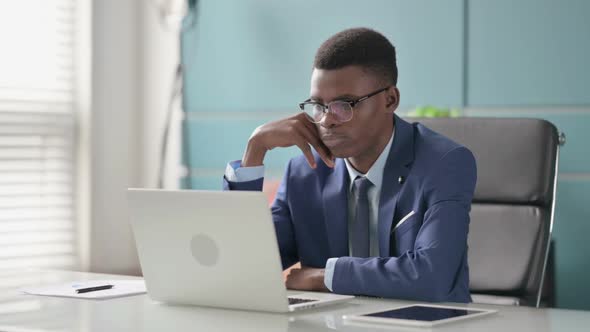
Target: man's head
(361, 47)
(347, 66)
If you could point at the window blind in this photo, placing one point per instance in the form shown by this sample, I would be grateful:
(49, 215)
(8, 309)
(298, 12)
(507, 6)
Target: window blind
(37, 134)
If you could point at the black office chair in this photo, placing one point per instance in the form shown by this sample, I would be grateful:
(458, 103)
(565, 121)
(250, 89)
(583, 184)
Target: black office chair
(513, 207)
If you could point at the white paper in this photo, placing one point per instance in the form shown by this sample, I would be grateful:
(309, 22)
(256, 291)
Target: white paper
(120, 288)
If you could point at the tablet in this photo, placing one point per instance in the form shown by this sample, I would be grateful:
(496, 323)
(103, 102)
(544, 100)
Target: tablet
(419, 315)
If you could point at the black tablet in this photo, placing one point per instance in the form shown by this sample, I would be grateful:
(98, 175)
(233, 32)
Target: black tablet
(419, 315)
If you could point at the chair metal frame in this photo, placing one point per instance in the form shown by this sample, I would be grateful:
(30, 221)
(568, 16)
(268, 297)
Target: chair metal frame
(560, 142)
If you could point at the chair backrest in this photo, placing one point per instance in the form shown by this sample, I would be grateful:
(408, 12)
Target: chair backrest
(512, 210)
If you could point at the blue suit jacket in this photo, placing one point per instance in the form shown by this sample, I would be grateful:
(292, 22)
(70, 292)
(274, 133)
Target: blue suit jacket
(425, 258)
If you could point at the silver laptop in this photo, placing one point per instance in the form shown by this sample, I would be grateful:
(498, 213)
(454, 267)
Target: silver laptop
(213, 248)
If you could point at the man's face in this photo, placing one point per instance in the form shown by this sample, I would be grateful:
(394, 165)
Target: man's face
(371, 117)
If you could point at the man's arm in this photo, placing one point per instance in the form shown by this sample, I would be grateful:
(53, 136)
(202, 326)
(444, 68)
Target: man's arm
(247, 174)
(296, 130)
(293, 131)
(428, 272)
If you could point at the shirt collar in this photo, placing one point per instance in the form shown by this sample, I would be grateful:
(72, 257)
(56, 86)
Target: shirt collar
(375, 173)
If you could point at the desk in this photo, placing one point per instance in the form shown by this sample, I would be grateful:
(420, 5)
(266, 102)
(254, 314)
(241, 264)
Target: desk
(20, 312)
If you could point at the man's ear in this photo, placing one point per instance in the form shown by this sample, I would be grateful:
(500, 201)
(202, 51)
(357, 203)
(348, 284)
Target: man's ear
(392, 99)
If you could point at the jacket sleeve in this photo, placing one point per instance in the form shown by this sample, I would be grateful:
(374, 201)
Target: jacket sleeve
(429, 271)
(252, 181)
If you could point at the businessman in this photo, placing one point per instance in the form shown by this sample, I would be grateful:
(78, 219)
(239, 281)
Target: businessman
(379, 206)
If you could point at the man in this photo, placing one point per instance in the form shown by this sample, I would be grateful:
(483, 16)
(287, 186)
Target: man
(381, 207)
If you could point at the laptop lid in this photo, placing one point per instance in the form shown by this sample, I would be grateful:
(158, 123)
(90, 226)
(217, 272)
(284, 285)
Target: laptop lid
(208, 248)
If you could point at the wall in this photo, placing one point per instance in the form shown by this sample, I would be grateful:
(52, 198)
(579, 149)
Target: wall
(115, 154)
(133, 62)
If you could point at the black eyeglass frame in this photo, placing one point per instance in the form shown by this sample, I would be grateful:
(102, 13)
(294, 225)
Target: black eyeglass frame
(351, 103)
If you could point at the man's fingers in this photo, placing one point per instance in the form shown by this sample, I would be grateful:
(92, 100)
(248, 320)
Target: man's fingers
(289, 282)
(315, 141)
(313, 130)
(292, 279)
(304, 147)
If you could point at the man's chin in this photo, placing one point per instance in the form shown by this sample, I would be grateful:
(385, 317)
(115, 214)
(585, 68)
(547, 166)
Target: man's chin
(340, 153)
(338, 148)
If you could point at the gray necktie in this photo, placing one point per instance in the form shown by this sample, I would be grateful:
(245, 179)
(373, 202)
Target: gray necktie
(360, 226)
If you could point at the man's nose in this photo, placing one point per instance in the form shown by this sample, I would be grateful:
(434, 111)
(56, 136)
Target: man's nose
(328, 120)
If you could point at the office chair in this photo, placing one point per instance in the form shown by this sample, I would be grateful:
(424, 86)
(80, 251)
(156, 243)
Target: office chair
(510, 256)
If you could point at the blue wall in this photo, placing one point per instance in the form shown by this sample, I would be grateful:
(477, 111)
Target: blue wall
(247, 62)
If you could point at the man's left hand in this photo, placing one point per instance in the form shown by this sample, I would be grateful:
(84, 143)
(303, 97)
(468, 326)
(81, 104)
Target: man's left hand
(306, 278)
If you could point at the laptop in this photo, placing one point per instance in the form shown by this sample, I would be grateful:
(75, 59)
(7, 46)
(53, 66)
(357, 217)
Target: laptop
(213, 248)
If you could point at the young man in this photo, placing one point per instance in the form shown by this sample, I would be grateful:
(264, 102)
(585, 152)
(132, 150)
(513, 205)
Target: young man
(381, 207)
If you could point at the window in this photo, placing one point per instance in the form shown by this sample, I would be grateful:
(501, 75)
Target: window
(38, 134)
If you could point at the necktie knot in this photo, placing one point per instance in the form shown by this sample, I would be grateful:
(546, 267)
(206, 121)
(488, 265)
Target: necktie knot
(362, 185)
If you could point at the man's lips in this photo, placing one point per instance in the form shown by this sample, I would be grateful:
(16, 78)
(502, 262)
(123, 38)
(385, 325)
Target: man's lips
(331, 139)
(332, 136)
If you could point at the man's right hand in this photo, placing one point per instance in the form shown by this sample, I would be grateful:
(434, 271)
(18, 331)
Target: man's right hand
(296, 130)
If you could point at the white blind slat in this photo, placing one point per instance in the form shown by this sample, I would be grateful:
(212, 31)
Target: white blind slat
(49, 237)
(34, 177)
(37, 134)
(36, 202)
(36, 225)
(36, 166)
(36, 249)
(49, 95)
(35, 107)
(33, 212)
(33, 140)
(34, 152)
(34, 189)
(49, 261)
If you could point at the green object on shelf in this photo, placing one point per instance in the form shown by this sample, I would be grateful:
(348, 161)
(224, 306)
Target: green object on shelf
(434, 112)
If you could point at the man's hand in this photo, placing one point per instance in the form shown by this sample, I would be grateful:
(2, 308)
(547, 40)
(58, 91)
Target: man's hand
(306, 278)
(296, 130)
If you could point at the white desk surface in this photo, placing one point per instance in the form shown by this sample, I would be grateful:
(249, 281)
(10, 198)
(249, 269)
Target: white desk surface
(19, 312)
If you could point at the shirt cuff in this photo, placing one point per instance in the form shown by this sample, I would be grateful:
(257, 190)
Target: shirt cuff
(329, 272)
(234, 172)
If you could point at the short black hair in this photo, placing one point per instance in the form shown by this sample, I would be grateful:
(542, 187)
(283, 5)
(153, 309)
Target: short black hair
(362, 47)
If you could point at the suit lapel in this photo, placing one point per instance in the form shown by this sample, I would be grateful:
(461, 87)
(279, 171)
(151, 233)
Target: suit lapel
(335, 200)
(398, 165)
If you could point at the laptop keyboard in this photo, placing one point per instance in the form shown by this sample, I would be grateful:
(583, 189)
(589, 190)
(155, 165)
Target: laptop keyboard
(295, 300)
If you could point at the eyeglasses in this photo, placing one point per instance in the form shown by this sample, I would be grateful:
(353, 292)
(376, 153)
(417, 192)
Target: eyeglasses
(340, 109)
